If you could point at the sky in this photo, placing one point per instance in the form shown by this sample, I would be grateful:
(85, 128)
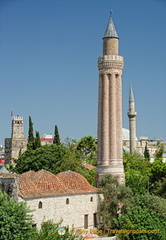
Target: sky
(48, 63)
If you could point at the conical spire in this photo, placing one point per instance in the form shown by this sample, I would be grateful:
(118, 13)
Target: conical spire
(131, 97)
(110, 30)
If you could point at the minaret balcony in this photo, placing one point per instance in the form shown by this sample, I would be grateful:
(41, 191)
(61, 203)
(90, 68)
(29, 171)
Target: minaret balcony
(132, 114)
(110, 61)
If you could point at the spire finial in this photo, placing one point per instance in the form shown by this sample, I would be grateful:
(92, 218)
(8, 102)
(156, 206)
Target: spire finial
(110, 30)
(131, 96)
(111, 13)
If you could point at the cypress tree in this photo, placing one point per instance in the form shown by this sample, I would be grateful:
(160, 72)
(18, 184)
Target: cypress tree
(30, 144)
(37, 142)
(56, 136)
(146, 152)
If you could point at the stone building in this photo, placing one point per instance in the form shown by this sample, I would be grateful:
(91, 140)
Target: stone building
(66, 196)
(110, 67)
(17, 142)
(141, 143)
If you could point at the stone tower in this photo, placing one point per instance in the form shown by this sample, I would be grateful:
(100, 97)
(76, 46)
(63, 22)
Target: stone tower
(132, 121)
(17, 141)
(17, 127)
(110, 67)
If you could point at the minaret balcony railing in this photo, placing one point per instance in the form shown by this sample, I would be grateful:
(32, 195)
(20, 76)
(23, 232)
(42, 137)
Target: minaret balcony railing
(110, 61)
(110, 58)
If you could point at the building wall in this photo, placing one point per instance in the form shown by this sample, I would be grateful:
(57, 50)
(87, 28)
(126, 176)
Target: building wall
(13, 147)
(10, 186)
(55, 208)
(140, 146)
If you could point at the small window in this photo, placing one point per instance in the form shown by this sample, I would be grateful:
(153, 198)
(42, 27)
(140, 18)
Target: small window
(91, 199)
(67, 201)
(40, 205)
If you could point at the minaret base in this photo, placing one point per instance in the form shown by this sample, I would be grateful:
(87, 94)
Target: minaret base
(115, 170)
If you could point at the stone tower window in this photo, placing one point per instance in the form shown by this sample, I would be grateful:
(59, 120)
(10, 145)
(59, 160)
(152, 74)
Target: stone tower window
(40, 205)
(67, 201)
(91, 199)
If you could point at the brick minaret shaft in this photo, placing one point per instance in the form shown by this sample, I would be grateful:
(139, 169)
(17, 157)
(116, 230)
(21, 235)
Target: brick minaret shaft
(110, 67)
(132, 121)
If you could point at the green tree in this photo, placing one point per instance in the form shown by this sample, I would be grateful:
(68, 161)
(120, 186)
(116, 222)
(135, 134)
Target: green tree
(56, 136)
(136, 163)
(158, 170)
(160, 150)
(88, 147)
(15, 220)
(154, 203)
(49, 231)
(116, 199)
(137, 172)
(159, 187)
(147, 213)
(48, 157)
(146, 152)
(70, 143)
(140, 218)
(138, 183)
(37, 143)
(54, 158)
(30, 144)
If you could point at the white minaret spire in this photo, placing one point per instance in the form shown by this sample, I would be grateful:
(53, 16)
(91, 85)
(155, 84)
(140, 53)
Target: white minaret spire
(110, 67)
(132, 121)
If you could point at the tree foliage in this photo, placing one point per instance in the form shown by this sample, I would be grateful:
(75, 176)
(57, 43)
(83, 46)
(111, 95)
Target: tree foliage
(56, 136)
(37, 143)
(116, 198)
(160, 150)
(137, 172)
(158, 170)
(147, 214)
(54, 158)
(159, 187)
(30, 144)
(49, 231)
(146, 153)
(15, 220)
(88, 147)
(136, 163)
(138, 183)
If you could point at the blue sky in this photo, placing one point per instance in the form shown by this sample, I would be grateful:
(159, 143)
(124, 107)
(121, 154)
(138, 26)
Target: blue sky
(48, 63)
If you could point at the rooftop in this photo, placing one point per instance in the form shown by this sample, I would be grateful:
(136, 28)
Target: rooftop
(110, 30)
(44, 183)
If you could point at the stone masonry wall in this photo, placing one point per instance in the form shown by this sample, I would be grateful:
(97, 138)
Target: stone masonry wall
(55, 208)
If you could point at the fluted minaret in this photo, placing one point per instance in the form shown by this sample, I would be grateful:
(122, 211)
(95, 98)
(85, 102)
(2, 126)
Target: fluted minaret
(110, 67)
(132, 121)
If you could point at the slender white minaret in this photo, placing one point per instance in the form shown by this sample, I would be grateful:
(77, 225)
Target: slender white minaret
(110, 67)
(132, 121)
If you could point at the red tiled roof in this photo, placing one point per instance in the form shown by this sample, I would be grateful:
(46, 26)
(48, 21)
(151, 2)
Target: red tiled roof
(73, 180)
(89, 166)
(46, 180)
(44, 183)
(29, 174)
(46, 139)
